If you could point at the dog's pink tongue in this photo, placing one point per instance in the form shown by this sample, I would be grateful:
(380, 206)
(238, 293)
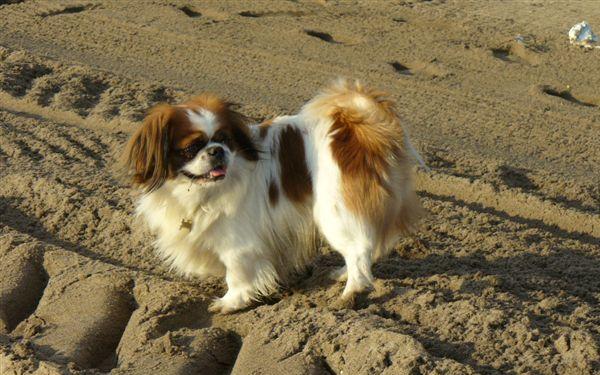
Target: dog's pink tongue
(217, 172)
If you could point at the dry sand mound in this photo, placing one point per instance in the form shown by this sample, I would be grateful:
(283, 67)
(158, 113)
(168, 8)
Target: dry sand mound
(503, 277)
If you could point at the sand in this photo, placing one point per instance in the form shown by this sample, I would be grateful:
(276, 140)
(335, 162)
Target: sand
(503, 276)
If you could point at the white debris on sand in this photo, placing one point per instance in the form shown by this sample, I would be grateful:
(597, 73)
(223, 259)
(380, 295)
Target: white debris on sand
(582, 35)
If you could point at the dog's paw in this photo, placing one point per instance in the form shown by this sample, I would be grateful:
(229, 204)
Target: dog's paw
(342, 303)
(339, 274)
(216, 306)
(227, 305)
(354, 296)
(353, 300)
(220, 307)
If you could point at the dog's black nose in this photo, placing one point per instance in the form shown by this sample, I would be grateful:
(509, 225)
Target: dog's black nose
(216, 152)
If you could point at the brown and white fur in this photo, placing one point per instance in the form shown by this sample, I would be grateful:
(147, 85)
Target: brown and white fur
(248, 202)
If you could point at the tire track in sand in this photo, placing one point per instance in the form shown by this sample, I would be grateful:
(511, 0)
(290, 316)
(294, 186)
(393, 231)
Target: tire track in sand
(107, 98)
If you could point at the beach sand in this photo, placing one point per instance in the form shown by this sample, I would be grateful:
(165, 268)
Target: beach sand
(503, 277)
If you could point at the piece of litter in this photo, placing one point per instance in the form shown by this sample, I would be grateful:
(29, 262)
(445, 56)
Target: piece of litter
(582, 35)
(520, 39)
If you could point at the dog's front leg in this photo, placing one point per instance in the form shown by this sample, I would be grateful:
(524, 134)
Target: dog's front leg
(248, 276)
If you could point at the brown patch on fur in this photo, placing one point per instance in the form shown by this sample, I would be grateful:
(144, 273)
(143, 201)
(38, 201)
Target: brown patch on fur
(146, 155)
(184, 134)
(295, 178)
(263, 129)
(273, 193)
(410, 214)
(208, 101)
(363, 161)
(188, 139)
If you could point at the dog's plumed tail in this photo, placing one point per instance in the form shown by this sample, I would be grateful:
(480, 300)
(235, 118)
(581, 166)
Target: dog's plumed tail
(373, 154)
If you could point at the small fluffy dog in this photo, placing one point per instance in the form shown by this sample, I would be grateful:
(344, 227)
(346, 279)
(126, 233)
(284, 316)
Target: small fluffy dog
(248, 202)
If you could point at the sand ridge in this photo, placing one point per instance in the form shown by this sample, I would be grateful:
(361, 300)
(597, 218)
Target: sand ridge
(502, 277)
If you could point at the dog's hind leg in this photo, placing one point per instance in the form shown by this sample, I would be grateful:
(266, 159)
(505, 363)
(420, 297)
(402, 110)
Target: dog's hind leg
(339, 274)
(352, 238)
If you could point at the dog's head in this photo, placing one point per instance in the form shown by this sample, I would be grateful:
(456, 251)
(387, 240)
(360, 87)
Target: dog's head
(197, 141)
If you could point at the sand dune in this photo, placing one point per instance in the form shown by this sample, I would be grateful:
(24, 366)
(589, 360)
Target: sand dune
(502, 278)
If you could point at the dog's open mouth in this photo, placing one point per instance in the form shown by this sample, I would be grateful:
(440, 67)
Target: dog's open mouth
(215, 174)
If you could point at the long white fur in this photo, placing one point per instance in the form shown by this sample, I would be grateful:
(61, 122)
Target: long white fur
(238, 234)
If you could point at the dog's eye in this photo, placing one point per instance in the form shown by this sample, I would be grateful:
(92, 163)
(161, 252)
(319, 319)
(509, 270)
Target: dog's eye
(192, 150)
(220, 137)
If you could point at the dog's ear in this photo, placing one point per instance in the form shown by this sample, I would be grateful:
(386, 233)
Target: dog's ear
(146, 156)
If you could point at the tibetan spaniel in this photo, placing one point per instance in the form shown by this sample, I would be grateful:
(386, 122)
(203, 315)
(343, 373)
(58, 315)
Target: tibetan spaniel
(249, 202)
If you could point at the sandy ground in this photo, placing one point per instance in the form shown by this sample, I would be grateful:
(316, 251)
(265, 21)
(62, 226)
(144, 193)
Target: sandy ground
(504, 276)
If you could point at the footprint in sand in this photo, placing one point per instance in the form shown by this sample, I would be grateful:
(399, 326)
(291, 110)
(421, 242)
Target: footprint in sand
(18, 72)
(326, 37)
(430, 70)
(65, 9)
(550, 92)
(526, 52)
(259, 14)
(400, 68)
(190, 12)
